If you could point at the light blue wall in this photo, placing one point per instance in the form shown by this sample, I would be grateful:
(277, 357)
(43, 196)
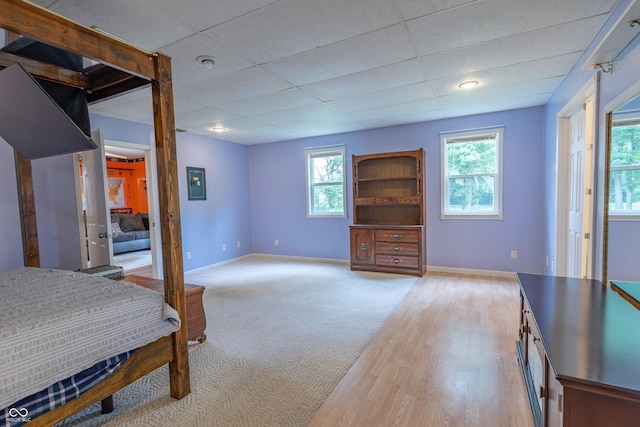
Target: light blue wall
(56, 216)
(256, 195)
(279, 209)
(611, 86)
(225, 216)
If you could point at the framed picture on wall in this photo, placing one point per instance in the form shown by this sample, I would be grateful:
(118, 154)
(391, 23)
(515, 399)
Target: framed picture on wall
(116, 193)
(196, 184)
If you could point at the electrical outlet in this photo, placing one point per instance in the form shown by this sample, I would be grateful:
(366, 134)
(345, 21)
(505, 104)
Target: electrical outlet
(514, 254)
(277, 242)
(238, 244)
(189, 255)
(224, 247)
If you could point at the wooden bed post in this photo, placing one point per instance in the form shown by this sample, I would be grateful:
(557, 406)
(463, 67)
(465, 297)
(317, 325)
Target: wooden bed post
(27, 205)
(170, 227)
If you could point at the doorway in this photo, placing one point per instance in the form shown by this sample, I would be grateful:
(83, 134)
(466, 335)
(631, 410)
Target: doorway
(575, 203)
(142, 262)
(129, 190)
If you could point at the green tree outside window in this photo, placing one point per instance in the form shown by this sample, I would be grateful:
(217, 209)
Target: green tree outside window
(471, 173)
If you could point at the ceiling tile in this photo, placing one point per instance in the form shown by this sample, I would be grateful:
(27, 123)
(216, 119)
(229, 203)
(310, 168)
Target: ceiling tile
(136, 21)
(397, 110)
(494, 95)
(204, 117)
(400, 95)
(243, 84)
(204, 14)
(307, 112)
(492, 19)
(282, 100)
(319, 123)
(411, 9)
(372, 50)
(293, 26)
(187, 71)
(549, 42)
(376, 79)
(507, 76)
(501, 103)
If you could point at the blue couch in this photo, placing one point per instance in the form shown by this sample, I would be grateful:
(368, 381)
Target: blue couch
(130, 232)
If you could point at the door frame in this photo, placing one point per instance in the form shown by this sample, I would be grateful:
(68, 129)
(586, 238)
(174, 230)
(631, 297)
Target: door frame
(587, 96)
(81, 190)
(152, 199)
(152, 202)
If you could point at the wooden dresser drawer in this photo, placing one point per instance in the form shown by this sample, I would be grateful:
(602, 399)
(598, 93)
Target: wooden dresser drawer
(362, 201)
(411, 200)
(398, 261)
(398, 248)
(196, 319)
(397, 235)
(386, 200)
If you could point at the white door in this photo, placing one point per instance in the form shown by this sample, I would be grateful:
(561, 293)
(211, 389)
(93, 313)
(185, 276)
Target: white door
(575, 180)
(98, 219)
(576, 195)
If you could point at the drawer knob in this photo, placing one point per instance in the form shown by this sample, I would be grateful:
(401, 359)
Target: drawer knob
(397, 261)
(397, 236)
(397, 248)
(363, 246)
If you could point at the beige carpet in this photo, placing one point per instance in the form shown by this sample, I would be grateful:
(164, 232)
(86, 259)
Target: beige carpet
(280, 336)
(133, 260)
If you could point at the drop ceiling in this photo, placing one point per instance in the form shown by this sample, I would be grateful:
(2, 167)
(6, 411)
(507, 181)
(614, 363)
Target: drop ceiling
(290, 69)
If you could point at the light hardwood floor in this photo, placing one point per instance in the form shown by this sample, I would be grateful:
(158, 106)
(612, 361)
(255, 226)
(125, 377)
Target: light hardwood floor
(445, 357)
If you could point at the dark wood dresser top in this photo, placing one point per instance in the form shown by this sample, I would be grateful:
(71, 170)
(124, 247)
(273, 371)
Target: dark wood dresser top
(590, 333)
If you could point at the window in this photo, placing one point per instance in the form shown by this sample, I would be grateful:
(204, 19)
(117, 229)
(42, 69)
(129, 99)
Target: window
(472, 174)
(325, 182)
(624, 181)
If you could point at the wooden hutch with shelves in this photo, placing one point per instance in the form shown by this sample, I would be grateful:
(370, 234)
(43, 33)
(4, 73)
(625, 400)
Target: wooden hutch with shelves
(388, 212)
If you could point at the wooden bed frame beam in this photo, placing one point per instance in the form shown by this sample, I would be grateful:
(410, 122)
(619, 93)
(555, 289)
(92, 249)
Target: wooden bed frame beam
(27, 206)
(170, 229)
(46, 71)
(48, 27)
(40, 24)
(132, 369)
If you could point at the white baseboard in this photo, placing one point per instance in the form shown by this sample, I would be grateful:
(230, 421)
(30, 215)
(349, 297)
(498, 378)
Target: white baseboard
(301, 258)
(218, 264)
(471, 272)
(268, 256)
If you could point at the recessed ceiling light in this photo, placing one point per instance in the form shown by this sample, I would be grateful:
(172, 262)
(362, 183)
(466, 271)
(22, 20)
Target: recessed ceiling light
(468, 84)
(218, 129)
(206, 61)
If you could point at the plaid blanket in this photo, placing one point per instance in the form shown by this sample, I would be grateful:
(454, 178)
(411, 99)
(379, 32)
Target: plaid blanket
(60, 393)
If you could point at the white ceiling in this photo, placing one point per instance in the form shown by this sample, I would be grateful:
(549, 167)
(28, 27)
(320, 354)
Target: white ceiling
(289, 69)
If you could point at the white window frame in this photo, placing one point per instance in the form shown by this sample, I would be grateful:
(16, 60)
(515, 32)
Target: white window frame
(624, 119)
(309, 154)
(465, 136)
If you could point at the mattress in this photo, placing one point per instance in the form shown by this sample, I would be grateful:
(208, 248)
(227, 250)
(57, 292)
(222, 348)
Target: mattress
(56, 323)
